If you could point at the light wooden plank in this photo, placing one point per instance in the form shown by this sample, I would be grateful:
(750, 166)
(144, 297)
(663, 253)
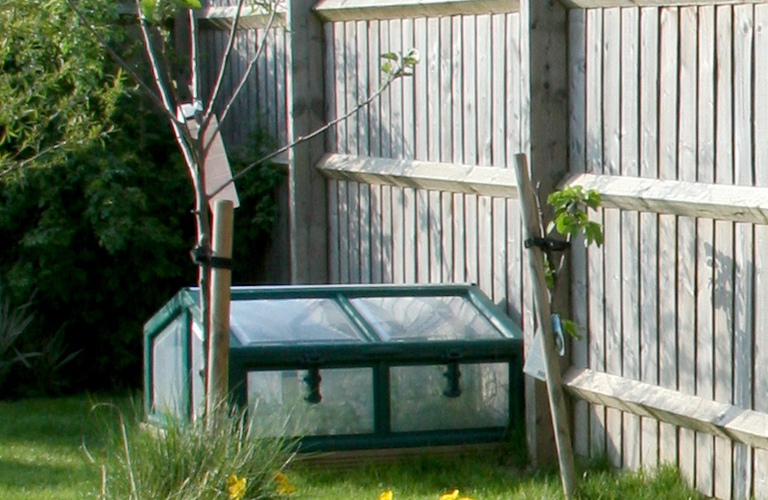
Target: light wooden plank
(649, 329)
(457, 91)
(350, 94)
(594, 160)
(483, 89)
(280, 87)
(364, 211)
(353, 231)
(760, 389)
(630, 266)
(670, 406)
(743, 37)
(594, 85)
(363, 79)
(593, 4)
(692, 199)
(469, 96)
(344, 241)
(686, 231)
(471, 242)
(668, 445)
(499, 70)
(222, 16)
(377, 231)
(333, 232)
(514, 85)
(398, 236)
(723, 300)
(409, 195)
(422, 236)
(514, 263)
(410, 235)
(705, 458)
(434, 64)
(435, 228)
(498, 251)
(421, 90)
(612, 219)
(596, 326)
(446, 241)
(446, 91)
(395, 132)
(340, 81)
(342, 10)
(485, 244)
(408, 95)
(330, 82)
(459, 267)
(578, 253)
(387, 241)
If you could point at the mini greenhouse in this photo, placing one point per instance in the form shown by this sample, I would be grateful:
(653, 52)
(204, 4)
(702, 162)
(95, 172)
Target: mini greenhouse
(349, 367)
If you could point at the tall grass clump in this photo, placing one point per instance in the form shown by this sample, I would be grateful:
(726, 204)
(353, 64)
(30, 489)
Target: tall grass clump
(191, 461)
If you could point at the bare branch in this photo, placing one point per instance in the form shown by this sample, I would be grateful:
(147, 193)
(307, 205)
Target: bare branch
(123, 63)
(193, 57)
(160, 85)
(246, 73)
(223, 66)
(312, 134)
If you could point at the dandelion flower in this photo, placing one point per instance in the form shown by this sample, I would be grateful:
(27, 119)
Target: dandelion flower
(236, 487)
(282, 486)
(454, 495)
(385, 495)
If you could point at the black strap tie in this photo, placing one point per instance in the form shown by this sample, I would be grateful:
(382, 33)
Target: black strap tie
(548, 244)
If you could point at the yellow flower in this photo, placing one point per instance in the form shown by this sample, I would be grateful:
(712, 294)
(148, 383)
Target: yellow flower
(385, 495)
(282, 486)
(454, 495)
(236, 487)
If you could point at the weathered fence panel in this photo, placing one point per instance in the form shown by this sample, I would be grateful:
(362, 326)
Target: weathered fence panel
(679, 94)
(462, 106)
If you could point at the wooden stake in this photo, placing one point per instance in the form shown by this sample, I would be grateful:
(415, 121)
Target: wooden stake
(532, 229)
(221, 279)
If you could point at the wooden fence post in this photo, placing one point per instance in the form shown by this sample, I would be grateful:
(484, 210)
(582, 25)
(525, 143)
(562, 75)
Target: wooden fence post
(531, 231)
(221, 279)
(544, 47)
(306, 113)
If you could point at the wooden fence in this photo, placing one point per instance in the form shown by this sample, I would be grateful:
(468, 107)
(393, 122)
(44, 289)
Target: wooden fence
(674, 297)
(663, 109)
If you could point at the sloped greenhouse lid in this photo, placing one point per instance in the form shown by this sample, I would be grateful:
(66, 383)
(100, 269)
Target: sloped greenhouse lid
(355, 314)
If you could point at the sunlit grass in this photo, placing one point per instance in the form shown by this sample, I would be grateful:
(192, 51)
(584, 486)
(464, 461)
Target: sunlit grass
(41, 458)
(40, 452)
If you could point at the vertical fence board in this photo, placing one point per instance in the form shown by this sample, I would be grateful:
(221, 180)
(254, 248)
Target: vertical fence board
(667, 239)
(686, 231)
(612, 219)
(578, 253)
(630, 282)
(743, 252)
(594, 127)
(723, 244)
(705, 243)
(433, 48)
(649, 303)
(447, 98)
(760, 107)
(435, 229)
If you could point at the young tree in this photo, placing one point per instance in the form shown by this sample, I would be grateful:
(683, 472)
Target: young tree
(179, 96)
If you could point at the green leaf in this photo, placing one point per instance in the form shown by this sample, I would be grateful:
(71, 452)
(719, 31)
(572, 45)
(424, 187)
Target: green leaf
(391, 56)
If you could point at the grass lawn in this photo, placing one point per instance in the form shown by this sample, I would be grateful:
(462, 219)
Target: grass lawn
(41, 458)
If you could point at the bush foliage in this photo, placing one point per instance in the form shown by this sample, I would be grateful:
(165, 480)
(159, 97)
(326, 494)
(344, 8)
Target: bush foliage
(101, 232)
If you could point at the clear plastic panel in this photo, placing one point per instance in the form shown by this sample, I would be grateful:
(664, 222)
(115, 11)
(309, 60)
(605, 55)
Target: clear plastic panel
(425, 318)
(419, 404)
(277, 405)
(290, 321)
(197, 375)
(168, 370)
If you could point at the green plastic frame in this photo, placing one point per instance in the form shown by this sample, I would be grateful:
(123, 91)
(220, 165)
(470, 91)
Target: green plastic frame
(376, 354)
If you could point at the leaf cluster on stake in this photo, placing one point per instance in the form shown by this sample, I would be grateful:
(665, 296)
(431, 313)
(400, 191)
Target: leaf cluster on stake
(570, 217)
